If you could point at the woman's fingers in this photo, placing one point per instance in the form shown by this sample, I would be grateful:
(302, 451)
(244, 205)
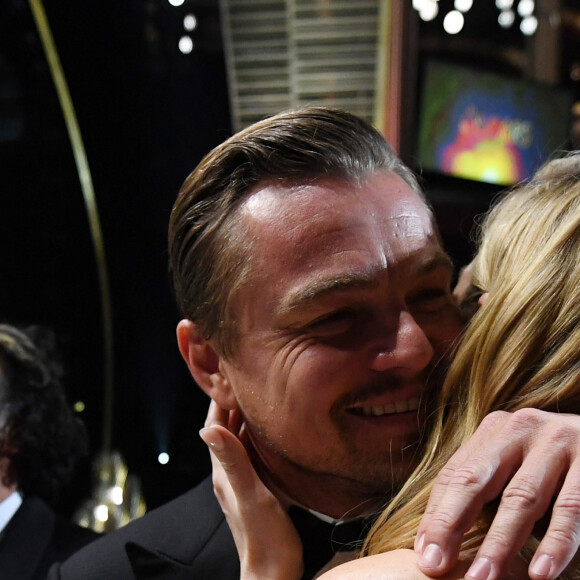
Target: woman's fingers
(267, 542)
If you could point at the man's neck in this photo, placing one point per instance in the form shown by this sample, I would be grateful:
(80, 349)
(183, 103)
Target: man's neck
(335, 506)
(6, 489)
(6, 492)
(332, 496)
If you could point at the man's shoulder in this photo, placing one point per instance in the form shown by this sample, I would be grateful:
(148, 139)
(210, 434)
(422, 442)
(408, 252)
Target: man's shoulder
(178, 533)
(195, 508)
(35, 538)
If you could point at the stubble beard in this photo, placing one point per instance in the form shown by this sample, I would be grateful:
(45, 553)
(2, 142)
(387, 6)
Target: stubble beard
(362, 474)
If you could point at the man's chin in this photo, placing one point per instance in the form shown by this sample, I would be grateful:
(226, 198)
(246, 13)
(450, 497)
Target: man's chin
(384, 473)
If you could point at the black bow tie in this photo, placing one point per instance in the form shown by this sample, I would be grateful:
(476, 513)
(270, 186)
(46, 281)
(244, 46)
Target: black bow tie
(321, 540)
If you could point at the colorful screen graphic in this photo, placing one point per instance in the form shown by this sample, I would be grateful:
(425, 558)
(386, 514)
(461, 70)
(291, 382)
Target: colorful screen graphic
(487, 127)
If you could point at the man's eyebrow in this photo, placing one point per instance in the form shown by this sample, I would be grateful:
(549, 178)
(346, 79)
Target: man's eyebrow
(433, 261)
(318, 289)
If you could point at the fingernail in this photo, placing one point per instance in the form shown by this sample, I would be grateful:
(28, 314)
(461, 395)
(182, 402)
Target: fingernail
(419, 543)
(431, 557)
(211, 438)
(480, 569)
(542, 565)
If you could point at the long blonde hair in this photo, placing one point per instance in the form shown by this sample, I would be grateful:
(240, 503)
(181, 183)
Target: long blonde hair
(522, 348)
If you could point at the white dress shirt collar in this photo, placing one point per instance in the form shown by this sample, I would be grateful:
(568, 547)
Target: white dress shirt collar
(8, 508)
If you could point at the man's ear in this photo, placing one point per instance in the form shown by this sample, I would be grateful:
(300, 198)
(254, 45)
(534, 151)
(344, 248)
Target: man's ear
(204, 364)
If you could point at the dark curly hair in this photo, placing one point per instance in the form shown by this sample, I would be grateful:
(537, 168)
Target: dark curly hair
(39, 433)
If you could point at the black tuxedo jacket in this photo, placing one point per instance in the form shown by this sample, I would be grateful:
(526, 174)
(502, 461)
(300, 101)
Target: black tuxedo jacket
(35, 538)
(187, 538)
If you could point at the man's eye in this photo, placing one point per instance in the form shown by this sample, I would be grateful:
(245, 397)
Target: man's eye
(333, 321)
(430, 300)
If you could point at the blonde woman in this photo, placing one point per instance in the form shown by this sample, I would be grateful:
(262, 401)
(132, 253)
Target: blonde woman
(521, 350)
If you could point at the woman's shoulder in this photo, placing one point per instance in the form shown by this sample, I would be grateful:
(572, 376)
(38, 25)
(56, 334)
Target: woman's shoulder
(394, 565)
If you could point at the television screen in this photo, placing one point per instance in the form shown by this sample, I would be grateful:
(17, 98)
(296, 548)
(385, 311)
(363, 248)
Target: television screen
(488, 127)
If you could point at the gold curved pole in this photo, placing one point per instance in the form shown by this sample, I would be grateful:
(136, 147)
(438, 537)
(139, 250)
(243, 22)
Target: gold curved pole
(86, 181)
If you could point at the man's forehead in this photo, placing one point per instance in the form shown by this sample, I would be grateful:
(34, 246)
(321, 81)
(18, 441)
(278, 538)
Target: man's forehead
(314, 222)
(270, 198)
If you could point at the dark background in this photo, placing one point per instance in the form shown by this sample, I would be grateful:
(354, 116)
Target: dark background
(147, 114)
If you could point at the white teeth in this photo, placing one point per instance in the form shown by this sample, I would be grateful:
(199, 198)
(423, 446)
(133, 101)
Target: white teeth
(411, 404)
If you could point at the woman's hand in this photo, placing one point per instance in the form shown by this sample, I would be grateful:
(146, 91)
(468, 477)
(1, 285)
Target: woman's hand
(267, 542)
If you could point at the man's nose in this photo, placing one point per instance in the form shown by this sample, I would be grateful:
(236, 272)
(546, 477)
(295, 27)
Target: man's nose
(404, 347)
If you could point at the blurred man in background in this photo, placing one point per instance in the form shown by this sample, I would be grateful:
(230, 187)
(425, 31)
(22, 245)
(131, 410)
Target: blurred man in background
(40, 443)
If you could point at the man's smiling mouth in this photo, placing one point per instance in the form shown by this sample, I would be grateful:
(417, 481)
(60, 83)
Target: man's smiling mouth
(404, 406)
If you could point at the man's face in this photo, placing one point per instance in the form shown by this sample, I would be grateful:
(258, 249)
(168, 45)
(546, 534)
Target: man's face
(348, 308)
